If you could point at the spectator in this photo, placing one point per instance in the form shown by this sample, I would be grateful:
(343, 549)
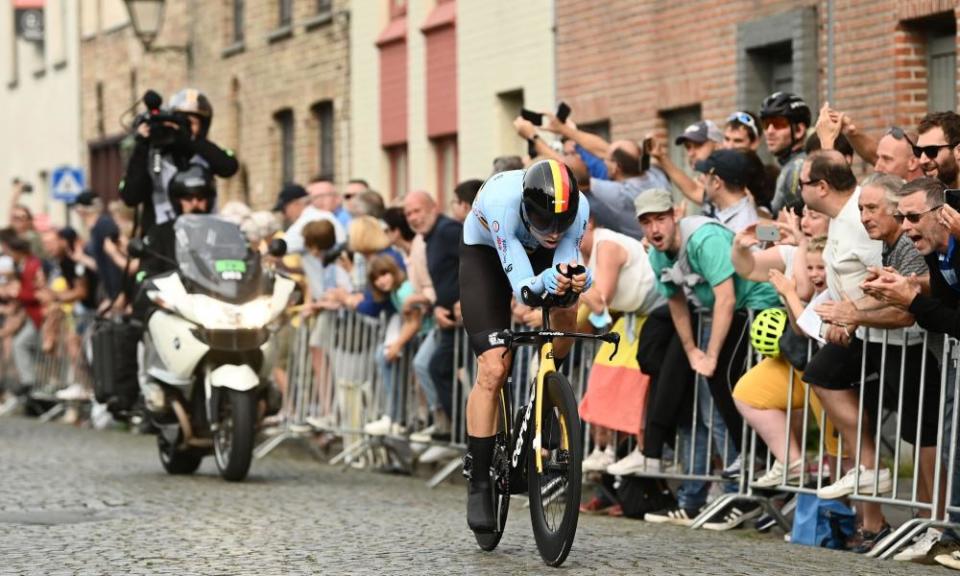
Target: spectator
(829, 186)
(741, 132)
(691, 261)
(895, 155)
(324, 196)
(785, 118)
(367, 203)
(366, 240)
(840, 144)
(101, 225)
(504, 163)
(723, 176)
(356, 186)
(464, 193)
(939, 135)
(21, 219)
(400, 234)
(30, 280)
(235, 211)
(442, 237)
(294, 203)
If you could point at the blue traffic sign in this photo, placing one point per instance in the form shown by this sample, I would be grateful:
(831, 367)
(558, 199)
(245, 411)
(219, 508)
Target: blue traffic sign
(67, 183)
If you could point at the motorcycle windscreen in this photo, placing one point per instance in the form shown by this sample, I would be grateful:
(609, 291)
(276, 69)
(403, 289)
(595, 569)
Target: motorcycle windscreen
(213, 255)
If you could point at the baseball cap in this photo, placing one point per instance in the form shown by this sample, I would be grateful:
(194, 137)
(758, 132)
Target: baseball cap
(730, 165)
(85, 198)
(289, 193)
(700, 132)
(652, 201)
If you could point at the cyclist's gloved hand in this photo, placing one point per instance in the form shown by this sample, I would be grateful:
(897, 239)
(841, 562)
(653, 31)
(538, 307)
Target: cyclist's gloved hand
(549, 279)
(589, 280)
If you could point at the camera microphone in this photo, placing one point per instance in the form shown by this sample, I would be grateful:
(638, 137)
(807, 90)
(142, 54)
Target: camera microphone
(152, 100)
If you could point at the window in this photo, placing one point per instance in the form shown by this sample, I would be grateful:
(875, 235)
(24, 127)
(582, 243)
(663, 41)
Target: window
(106, 167)
(509, 105)
(286, 13)
(942, 72)
(323, 114)
(101, 127)
(676, 122)
(238, 19)
(601, 128)
(446, 151)
(397, 156)
(284, 120)
(324, 6)
(778, 53)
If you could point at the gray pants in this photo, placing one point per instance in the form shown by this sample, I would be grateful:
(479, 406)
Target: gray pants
(26, 344)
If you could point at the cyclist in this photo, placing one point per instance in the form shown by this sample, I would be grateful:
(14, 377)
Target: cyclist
(524, 225)
(785, 119)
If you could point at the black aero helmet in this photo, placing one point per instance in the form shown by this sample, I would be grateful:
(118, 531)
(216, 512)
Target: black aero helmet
(786, 105)
(193, 181)
(195, 103)
(550, 197)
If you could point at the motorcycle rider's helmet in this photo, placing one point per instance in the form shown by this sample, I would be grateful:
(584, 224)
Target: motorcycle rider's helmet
(551, 197)
(193, 102)
(786, 105)
(195, 180)
(766, 330)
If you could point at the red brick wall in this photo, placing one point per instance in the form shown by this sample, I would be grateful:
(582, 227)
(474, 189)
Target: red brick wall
(626, 61)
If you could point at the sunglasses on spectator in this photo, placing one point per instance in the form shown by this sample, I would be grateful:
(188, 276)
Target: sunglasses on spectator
(931, 151)
(778, 122)
(745, 119)
(914, 217)
(898, 134)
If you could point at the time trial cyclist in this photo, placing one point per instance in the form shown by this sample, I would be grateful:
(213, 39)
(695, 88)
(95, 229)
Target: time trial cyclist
(524, 224)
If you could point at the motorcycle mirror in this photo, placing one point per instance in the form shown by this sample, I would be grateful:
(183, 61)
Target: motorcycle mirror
(136, 248)
(277, 248)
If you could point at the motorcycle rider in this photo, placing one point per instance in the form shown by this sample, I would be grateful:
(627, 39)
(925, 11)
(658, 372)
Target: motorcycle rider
(188, 147)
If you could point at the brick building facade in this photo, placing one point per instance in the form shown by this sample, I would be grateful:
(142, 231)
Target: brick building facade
(632, 67)
(276, 72)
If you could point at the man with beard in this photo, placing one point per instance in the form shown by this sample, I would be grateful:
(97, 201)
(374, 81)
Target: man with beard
(939, 135)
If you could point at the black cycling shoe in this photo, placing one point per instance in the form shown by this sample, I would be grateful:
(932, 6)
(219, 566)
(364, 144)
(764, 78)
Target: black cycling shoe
(480, 515)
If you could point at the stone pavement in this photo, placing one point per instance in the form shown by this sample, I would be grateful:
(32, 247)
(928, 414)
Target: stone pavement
(84, 502)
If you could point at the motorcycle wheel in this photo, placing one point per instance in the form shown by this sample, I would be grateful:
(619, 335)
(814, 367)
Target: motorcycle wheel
(177, 461)
(233, 440)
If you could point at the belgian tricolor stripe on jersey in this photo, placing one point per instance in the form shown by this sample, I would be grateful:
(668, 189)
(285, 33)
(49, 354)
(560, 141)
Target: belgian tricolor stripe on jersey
(561, 187)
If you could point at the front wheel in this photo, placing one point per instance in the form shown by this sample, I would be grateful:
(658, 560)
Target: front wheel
(555, 490)
(176, 461)
(233, 440)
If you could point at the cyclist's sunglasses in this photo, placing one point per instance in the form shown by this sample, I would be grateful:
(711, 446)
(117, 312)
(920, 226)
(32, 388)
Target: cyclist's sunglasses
(745, 119)
(914, 217)
(778, 122)
(932, 150)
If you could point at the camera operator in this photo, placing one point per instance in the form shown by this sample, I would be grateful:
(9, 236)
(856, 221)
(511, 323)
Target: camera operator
(178, 135)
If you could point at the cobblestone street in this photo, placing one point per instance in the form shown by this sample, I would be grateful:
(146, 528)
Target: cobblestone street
(84, 502)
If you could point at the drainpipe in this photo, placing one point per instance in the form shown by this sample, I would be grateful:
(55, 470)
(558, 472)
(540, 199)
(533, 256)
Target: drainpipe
(830, 55)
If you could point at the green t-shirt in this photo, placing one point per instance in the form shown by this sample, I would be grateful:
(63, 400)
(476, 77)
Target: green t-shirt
(708, 253)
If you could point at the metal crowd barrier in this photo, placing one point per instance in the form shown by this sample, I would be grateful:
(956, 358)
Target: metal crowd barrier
(64, 364)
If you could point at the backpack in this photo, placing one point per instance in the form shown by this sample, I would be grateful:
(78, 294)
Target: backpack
(823, 523)
(639, 495)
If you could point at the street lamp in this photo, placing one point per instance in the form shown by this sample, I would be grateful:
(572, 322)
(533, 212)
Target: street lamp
(147, 18)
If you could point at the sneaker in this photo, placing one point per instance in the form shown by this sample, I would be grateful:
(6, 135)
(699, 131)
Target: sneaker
(864, 540)
(846, 485)
(951, 560)
(733, 515)
(677, 516)
(438, 454)
(942, 548)
(922, 544)
(321, 422)
(634, 463)
(423, 436)
(598, 460)
(73, 393)
(596, 505)
(379, 427)
(772, 477)
(480, 516)
(733, 470)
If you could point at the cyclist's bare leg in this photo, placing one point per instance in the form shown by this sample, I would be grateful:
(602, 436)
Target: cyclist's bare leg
(493, 368)
(563, 320)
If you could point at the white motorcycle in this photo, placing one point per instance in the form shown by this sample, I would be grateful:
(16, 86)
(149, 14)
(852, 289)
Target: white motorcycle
(205, 358)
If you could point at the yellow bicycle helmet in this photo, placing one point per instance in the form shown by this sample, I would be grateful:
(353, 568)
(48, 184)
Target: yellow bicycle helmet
(766, 330)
